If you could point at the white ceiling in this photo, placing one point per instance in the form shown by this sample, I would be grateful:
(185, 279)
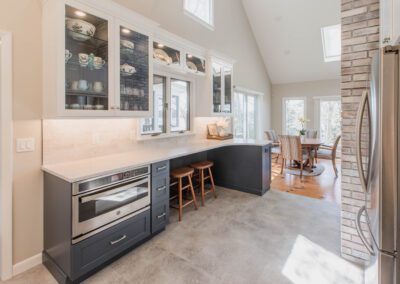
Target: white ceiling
(288, 33)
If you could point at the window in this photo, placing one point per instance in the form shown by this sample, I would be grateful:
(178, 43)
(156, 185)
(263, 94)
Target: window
(201, 10)
(180, 91)
(330, 119)
(331, 43)
(245, 115)
(156, 124)
(171, 100)
(293, 110)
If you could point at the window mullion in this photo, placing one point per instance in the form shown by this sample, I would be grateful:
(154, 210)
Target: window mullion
(169, 104)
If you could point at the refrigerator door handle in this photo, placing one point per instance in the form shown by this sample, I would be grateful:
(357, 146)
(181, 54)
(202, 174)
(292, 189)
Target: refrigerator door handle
(361, 233)
(361, 109)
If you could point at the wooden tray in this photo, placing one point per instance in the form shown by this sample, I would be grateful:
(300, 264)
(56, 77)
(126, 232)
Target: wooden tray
(230, 136)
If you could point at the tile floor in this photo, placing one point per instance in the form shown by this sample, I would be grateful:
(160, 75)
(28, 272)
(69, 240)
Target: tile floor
(236, 238)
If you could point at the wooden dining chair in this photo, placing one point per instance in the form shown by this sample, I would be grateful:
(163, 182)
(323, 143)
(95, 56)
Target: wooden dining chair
(275, 149)
(291, 150)
(329, 153)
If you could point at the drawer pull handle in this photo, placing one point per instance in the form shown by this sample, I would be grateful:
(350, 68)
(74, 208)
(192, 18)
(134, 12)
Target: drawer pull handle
(161, 168)
(162, 215)
(161, 188)
(117, 241)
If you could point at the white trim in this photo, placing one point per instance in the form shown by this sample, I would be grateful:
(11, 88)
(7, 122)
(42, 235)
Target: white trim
(284, 99)
(194, 17)
(6, 153)
(248, 91)
(27, 264)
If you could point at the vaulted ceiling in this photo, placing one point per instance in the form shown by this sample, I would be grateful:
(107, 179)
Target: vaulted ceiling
(288, 33)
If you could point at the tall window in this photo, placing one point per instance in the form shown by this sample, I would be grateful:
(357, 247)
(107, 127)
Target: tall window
(201, 10)
(245, 115)
(293, 110)
(330, 120)
(171, 100)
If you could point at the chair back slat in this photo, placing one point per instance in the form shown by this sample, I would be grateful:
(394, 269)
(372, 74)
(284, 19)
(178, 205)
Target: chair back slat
(271, 135)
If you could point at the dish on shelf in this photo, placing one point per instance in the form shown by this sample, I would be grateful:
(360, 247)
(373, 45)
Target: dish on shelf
(80, 30)
(68, 55)
(76, 106)
(88, 107)
(127, 70)
(162, 56)
(99, 107)
(127, 44)
(126, 51)
(191, 65)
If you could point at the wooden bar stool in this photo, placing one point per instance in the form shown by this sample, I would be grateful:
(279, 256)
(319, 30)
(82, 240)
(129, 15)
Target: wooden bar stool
(179, 174)
(201, 167)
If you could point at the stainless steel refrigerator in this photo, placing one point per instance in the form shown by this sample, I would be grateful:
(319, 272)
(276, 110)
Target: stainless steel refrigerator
(377, 221)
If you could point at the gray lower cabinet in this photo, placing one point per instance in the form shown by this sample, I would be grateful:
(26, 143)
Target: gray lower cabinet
(94, 251)
(159, 196)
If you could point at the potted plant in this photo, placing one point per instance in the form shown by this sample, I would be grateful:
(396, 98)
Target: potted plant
(303, 122)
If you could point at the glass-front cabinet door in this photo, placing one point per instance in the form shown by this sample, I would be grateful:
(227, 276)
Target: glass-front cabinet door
(195, 64)
(134, 68)
(87, 63)
(166, 55)
(227, 108)
(217, 87)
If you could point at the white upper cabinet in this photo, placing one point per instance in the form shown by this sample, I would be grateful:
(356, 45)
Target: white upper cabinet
(215, 95)
(389, 22)
(95, 64)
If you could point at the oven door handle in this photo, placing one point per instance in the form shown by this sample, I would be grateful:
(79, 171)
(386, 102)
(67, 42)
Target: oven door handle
(88, 197)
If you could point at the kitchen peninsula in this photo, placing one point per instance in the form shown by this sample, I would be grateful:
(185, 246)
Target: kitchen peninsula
(98, 209)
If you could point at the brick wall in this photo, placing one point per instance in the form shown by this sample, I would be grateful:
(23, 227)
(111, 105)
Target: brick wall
(360, 41)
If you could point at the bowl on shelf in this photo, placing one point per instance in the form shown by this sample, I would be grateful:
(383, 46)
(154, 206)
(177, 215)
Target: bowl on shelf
(127, 44)
(127, 70)
(88, 107)
(99, 107)
(75, 106)
(80, 30)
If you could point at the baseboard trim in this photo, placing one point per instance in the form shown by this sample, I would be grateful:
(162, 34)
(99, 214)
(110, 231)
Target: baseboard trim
(27, 264)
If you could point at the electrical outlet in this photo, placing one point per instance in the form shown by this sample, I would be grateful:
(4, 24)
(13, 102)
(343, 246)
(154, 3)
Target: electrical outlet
(25, 145)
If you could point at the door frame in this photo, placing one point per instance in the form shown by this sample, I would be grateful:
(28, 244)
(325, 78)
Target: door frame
(6, 152)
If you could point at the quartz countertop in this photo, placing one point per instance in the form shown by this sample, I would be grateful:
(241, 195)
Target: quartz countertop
(141, 155)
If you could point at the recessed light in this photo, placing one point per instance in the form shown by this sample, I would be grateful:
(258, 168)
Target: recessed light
(190, 56)
(160, 45)
(126, 31)
(80, 14)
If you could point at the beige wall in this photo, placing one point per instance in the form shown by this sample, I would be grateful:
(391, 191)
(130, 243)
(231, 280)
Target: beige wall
(232, 36)
(23, 19)
(309, 90)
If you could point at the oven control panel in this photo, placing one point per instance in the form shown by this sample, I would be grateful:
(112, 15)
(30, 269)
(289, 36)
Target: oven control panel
(107, 180)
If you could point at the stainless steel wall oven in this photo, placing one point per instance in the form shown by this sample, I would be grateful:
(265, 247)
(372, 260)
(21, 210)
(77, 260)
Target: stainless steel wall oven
(102, 202)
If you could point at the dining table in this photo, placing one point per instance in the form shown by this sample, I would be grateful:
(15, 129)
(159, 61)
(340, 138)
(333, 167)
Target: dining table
(311, 144)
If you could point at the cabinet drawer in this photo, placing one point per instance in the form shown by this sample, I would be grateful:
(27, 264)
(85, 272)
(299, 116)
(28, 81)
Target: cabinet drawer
(160, 168)
(160, 216)
(95, 250)
(159, 188)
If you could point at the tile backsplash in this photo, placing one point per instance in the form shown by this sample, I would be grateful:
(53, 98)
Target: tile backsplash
(74, 139)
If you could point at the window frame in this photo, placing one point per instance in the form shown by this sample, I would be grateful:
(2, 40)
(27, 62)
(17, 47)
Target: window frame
(317, 109)
(284, 100)
(210, 26)
(258, 97)
(167, 107)
(329, 58)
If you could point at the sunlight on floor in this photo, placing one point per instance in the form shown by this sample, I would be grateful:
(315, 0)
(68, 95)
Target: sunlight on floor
(309, 263)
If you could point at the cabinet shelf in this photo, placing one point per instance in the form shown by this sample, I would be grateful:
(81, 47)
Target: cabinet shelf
(92, 41)
(86, 93)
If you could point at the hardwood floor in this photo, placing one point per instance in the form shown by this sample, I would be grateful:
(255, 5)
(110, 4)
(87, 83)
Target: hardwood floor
(325, 186)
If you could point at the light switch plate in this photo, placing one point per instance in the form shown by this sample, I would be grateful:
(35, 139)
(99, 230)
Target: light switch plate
(25, 145)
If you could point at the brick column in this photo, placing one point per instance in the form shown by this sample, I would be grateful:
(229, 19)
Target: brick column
(360, 41)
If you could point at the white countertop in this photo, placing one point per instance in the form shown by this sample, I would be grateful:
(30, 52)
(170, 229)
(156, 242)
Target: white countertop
(142, 155)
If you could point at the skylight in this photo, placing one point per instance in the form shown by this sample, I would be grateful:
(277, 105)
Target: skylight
(331, 42)
(201, 10)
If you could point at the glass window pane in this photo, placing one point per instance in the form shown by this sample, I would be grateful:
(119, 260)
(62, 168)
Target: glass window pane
(200, 8)
(251, 117)
(217, 85)
(330, 120)
(180, 91)
(244, 118)
(294, 110)
(156, 124)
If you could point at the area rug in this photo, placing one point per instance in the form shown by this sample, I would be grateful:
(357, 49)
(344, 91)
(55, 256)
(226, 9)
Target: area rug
(319, 169)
